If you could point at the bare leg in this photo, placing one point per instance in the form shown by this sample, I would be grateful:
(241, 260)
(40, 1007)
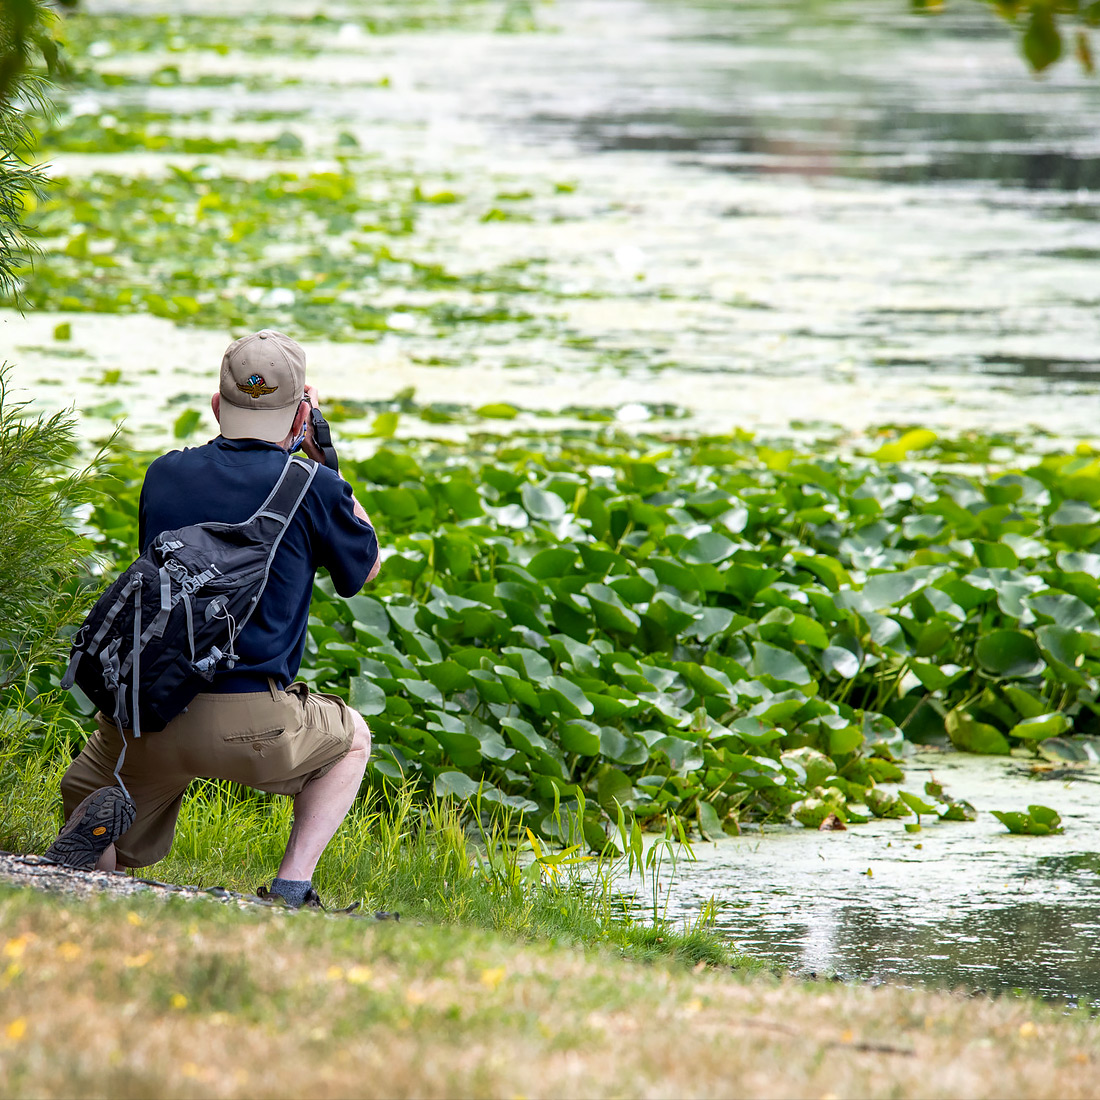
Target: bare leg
(108, 861)
(321, 806)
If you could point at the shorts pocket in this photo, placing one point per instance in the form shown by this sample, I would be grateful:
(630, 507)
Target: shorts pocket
(256, 736)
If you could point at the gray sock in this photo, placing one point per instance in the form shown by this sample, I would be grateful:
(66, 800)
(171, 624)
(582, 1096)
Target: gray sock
(292, 890)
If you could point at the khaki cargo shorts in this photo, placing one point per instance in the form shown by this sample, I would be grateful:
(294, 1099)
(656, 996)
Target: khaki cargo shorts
(272, 740)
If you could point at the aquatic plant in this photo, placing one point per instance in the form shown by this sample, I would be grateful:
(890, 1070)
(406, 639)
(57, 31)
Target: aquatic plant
(715, 630)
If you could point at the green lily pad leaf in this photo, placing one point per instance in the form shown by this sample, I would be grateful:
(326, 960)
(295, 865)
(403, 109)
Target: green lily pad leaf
(708, 548)
(613, 789)
(1045, 816)
(1062, 650)
(541, 504)
(489, 686)
(455, 785)
(1079, 562)
(883, 804)
(569, 696)
(554, 561)
(447, 676)
(497, 411)
(937, 677)
(755, 732)
(385, 425)
(1038, 821)
(1009, 653)
(710, 827)
(1012, 820)
(617, 746)
(710, 622)
(580, 737)
(1041, 727)
(1068, 612)
(844, 739)
(915, 440)
(682, 755)
(1026, 702)
(186, 423)
(1074, 513)
(836, 660)
(365, 696)
(770, 660)
(610, 611)
(970, 735)
(671, 614)
(885, 589)
(917, 804)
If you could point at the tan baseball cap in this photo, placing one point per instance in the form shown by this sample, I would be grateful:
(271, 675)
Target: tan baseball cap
(263, 379)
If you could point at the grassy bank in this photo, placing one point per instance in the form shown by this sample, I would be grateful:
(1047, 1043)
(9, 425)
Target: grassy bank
(171, 999)
(425, 859)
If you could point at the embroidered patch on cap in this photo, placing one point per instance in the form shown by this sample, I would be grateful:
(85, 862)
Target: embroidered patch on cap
(256, 386)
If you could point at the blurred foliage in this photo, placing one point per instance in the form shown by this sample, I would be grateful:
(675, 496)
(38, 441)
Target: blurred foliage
(27, 33)
(1048, 28)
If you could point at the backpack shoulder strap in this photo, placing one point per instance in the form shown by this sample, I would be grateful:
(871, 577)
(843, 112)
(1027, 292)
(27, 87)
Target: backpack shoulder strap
(289, 491)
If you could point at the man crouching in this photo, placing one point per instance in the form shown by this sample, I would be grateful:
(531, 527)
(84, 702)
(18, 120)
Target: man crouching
(254, 725)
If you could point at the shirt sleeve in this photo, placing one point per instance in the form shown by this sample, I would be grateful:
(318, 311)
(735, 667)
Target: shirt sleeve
(348, 546)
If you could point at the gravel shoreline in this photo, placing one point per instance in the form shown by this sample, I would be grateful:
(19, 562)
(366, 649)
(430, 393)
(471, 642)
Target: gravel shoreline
(38, 873)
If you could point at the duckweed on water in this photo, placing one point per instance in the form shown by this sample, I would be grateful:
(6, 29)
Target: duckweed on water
(716, 630)
(313, 253)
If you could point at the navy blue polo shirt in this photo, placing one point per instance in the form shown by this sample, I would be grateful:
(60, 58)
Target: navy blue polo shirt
(227, 480)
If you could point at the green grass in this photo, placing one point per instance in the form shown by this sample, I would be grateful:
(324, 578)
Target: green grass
(429, 861)
(140, 997)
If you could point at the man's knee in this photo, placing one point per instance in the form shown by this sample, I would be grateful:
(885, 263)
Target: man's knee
(360, 740)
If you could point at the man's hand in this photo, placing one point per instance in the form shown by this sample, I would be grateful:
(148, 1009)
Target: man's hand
(309, 444)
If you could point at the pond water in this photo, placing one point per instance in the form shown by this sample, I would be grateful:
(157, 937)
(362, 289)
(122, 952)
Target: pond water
(837, 215)
(956, 904)
(810, 217)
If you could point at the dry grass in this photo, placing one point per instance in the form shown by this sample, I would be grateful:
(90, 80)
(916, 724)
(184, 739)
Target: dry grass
(180, 999)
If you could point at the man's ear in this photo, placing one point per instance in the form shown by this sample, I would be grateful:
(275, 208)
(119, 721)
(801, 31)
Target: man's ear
(301, 416)
(216, 406)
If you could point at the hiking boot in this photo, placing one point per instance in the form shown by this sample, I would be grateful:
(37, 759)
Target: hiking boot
(93, 827)
(312, 901)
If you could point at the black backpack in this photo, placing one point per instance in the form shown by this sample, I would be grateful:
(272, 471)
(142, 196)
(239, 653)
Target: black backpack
(155, 637)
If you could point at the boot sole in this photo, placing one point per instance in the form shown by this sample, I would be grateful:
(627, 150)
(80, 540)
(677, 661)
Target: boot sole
(95, 825)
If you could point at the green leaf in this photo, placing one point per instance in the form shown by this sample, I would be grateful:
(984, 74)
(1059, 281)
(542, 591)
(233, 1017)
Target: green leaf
(970, 735)
(916, 440)
(836, 660)
(707, 549)
(385, 425)
(365, 696)
(497, 411)
(580, 737)
(455, 785)
(613, 788)
(710, 827)
(541, 504)
(1009, 653)
(1041, 727)
(1068, 612)
(1042, 43)
(186, 423)
(769, 660)
(571, 699)
(917, 804)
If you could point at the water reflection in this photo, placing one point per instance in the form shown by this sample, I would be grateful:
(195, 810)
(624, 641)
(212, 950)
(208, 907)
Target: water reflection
(861, 91)
(955, 905)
